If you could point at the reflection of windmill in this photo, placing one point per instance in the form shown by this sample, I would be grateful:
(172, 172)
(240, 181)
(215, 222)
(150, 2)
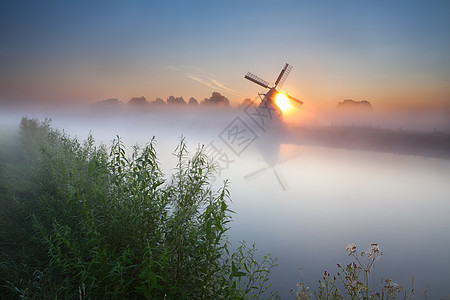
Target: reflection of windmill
(280, 179)
(273, 96)
(272, 100)
(291, 153)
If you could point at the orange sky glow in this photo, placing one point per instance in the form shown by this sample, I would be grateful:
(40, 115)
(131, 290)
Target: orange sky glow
(391, 54)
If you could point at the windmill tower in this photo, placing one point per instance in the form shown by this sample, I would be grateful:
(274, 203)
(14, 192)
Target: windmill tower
(269, 99)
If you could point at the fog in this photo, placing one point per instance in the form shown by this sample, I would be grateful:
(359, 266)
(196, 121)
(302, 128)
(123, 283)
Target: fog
(303, 196)
(412, 119)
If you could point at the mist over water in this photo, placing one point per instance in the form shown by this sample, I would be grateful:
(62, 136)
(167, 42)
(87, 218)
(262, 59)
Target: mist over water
(302, 203)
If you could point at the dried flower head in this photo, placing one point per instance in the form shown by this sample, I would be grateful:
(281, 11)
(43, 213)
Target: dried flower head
(350, 248)
(375, 249)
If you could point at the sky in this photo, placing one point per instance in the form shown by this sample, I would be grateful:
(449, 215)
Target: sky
(391, 53)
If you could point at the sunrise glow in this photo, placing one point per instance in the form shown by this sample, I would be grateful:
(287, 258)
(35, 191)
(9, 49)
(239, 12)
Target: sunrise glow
(282, 102)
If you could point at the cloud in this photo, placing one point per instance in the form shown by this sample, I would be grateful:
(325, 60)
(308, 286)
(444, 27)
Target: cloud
(199, 80)
(220, 85)
(212, 83)
(202, 77)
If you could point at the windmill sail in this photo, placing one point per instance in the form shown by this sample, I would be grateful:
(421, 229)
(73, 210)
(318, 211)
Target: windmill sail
(294, 102)
(257, 80)
(283, 75)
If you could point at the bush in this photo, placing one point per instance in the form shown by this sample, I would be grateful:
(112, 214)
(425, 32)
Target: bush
(84, 222)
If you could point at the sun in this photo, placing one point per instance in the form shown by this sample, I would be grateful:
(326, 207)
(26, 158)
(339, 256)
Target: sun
(282, 101)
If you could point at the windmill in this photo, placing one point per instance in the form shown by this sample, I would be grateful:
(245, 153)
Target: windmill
(273, 97)
(279, 101)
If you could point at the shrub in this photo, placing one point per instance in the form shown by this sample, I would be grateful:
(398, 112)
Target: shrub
(94, 223)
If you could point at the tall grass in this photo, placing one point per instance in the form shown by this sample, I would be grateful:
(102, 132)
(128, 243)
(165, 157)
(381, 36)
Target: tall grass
(82, 221)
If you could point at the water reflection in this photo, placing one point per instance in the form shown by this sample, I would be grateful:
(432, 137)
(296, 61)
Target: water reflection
(339, 196)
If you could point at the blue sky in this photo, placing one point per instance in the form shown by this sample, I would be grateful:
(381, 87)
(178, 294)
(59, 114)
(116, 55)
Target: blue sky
(389, 52)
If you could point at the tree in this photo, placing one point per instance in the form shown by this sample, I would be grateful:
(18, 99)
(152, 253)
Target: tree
(193, 101)
(158, 101)
(217, 99)
(352, 104)
(246, 102)
(110, 101)
(138, 101)
(177, 100)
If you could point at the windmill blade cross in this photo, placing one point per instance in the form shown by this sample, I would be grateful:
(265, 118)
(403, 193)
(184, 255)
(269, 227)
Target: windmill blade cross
(257, 80)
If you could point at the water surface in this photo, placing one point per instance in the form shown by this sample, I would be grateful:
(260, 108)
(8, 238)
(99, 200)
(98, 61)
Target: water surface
(328, 197)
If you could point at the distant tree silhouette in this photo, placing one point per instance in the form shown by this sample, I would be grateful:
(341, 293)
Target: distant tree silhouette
(138, 101)
(170, 100)
(352, 104)
(110, 101)
(216, 99)
(246, 102)
(193, 101)
(173, 100)
(158, 101)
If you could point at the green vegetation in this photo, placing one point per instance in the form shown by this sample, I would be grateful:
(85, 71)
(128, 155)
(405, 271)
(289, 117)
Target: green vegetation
(81, 221)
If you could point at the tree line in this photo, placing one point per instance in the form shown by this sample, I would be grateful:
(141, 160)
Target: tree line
(219, 100)
(215, 99)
